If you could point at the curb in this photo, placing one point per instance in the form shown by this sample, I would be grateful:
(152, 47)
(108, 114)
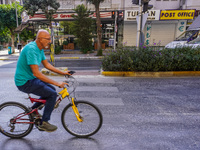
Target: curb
(151, 74)
(63, 58)
(81, 58)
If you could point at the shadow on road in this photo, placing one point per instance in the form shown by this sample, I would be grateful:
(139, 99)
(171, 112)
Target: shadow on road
(18, 144)
(72, 143)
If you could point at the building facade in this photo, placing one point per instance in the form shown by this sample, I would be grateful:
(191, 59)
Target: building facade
(157, 30)
(10, 1)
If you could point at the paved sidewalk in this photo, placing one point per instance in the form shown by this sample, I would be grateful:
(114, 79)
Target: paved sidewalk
(70, 54)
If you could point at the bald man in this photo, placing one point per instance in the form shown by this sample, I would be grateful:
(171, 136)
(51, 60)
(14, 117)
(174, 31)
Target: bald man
(29, 79)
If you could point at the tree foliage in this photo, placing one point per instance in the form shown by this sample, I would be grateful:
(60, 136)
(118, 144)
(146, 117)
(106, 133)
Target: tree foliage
(8, 19)
(83, 28)
(49, 7)
(67, 25)
(96, 3)
(4, 35)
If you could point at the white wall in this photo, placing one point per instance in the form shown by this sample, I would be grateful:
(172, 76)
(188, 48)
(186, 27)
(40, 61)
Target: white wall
(193, 4)
(162, 5)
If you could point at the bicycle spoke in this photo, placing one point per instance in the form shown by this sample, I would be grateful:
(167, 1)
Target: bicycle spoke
(13, 122)
(91, 116)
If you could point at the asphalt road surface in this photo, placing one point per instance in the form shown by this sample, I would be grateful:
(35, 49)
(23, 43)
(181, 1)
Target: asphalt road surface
(138, 113)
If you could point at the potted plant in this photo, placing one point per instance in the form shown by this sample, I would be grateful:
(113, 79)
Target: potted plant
(65, 43)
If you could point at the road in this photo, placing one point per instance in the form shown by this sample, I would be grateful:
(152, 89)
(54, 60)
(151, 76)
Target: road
(74, 64)
(138, 113)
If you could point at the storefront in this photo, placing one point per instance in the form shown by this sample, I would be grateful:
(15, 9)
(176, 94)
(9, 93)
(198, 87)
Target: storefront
(107, 24)
(161, 27)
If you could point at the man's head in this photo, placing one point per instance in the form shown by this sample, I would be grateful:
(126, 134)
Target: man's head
(43, 39)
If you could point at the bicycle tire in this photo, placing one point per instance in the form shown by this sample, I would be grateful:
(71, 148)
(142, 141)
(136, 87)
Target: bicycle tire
(8, 111)
(92, 119)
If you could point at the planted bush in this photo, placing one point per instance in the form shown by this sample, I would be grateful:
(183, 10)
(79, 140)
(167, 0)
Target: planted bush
(149, 59)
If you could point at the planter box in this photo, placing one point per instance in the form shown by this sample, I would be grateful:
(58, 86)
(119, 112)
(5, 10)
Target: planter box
(69, 46)
(64, 47)
(103, 46)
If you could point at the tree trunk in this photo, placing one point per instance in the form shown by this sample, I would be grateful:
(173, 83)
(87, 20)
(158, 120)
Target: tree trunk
(12, 39)
(98, 22)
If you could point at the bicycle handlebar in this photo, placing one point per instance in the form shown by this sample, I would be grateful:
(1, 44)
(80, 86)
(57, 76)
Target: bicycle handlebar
(72, 82)
(70, 72)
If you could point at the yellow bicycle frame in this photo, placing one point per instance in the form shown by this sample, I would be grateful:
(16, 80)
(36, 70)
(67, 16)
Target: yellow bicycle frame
(64, 93)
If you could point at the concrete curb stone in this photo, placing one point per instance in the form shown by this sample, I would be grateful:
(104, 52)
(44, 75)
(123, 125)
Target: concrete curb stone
(151, 74)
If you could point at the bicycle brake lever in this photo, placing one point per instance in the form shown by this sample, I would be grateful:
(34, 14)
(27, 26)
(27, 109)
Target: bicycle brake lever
(67, 83)
(72, 72)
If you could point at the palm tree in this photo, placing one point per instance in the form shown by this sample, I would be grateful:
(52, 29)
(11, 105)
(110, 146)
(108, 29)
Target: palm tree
(96, 3)
(82, 28)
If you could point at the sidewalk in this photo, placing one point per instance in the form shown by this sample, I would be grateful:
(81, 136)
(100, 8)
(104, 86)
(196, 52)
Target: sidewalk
(70, 54)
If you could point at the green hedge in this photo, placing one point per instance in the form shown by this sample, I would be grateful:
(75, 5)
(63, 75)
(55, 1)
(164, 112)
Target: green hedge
(150, 59)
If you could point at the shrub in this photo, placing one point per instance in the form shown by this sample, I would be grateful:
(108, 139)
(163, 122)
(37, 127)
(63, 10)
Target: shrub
(65, 42)
(150, 59)
(119, 60)
(58, 49)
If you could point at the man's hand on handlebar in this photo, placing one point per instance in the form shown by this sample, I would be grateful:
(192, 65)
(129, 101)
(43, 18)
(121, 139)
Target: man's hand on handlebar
(69, 73)
(62, 84)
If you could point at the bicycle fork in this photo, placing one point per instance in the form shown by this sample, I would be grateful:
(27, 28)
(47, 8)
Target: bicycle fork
(75, 109)
(64, 93)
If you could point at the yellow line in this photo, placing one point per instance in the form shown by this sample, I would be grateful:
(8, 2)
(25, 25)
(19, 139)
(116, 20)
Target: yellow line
(151, 74)
(69, 57)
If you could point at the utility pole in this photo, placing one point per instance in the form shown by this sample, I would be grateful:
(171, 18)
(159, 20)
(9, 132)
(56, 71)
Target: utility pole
(115, 34)
(139, 23)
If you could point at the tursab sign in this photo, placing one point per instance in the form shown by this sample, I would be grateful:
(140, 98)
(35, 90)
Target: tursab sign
(130, 15)
(177, 14)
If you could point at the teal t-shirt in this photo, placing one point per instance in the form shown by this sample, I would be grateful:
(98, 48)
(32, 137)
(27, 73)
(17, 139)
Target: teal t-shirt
(30, 55)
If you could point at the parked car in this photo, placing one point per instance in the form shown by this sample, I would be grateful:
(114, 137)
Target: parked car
(184, 38)
(194, 43)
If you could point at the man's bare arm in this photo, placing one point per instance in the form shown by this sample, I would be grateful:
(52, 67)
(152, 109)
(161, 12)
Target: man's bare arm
(42, 77)
(52, 68)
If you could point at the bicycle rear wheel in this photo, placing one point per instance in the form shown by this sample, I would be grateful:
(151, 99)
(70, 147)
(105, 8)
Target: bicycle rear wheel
(9, 125)
(90, 114)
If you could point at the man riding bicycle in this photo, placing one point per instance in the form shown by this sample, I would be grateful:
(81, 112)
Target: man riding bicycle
(29, 79)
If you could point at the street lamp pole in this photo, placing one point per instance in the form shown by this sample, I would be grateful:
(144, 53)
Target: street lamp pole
(17, 21)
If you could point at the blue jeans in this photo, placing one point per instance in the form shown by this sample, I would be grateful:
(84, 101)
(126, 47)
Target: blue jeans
(45, 91)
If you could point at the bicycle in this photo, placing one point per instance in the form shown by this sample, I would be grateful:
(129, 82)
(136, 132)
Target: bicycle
(79, 118)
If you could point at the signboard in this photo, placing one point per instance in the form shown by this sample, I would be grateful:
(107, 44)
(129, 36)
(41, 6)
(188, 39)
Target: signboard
(24, 17)
(60, 16)
(130, 15)
(148, 34)
(177, 14)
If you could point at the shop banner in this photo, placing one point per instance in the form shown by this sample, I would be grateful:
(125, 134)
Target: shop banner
(177, 14)
(65, 16)
(130, 15)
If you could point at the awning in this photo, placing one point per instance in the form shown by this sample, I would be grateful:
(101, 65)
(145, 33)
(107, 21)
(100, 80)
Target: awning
(195, 25)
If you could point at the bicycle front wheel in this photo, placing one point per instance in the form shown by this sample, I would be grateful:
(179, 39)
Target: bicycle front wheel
(13, 121)
(90, 115)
